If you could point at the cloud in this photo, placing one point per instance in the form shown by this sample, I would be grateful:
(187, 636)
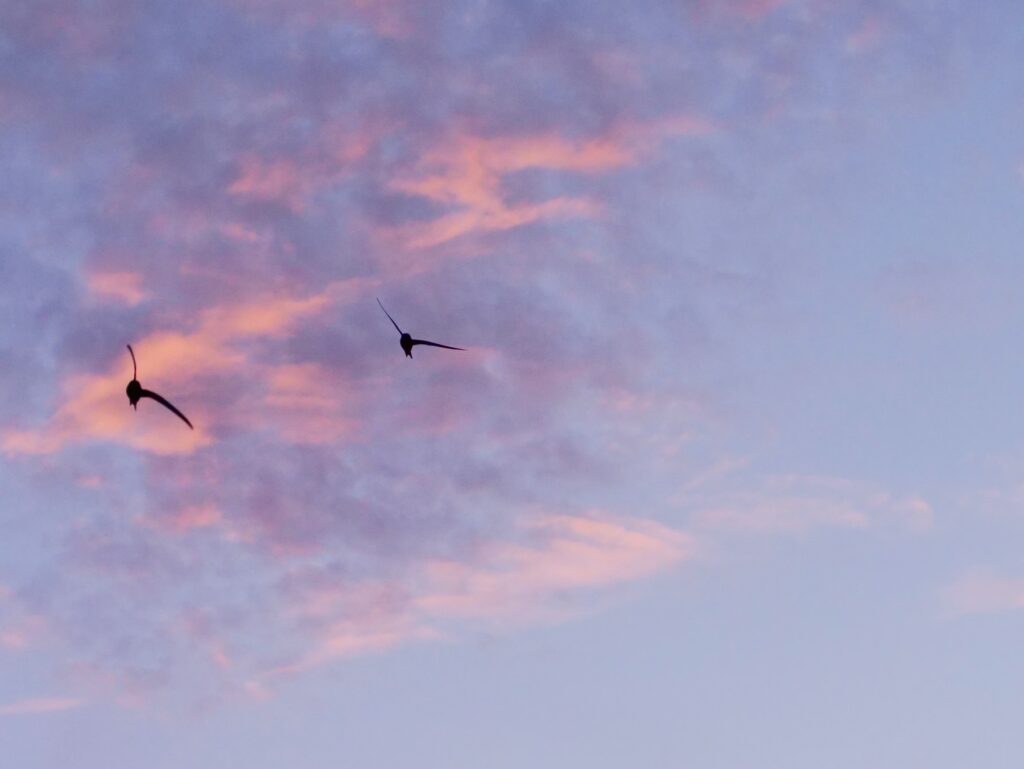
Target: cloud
(117, 286)
(40, 705)
(292, 181)
(228, 189)
(130, 606)
(790, 504)
(504, 583)
(867, 36)
(983, 592)
(218, 346)
(191, 517)
(514, 580)
(466, 172)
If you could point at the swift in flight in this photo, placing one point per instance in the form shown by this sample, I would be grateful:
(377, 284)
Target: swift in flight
(136, 392)
(408, 342)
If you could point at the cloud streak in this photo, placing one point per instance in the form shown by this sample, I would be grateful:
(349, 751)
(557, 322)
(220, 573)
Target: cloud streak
(466, 173)
(983, 592)
(503, 583)
(40, 706)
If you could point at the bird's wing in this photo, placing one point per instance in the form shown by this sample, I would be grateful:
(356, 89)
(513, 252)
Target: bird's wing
(160, 399)
(389, 317)
(135, 368)
(435, 344)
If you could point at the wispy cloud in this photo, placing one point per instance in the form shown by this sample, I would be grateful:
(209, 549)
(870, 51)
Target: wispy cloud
(218, 343)
(117, 286)
(466, 173)
(797, 503)
(530, 180)
(40, 705)
(502, 583)
(983, 592)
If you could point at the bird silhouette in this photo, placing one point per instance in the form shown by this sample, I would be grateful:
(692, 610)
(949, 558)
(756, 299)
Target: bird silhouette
(136, 392)
(407, 341)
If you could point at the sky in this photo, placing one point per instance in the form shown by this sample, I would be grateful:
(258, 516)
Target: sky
(727, 477)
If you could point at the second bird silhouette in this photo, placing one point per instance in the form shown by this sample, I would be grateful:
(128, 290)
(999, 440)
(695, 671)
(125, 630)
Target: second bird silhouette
(136, 392)
(407, 341)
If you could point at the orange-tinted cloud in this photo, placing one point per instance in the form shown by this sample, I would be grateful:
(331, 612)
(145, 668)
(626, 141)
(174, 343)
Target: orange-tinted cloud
(277, 180)
(513, 579)
(95, 407)
(466, 173)
(314, 408)
(292, 181)
(190, 517)
(509, 582)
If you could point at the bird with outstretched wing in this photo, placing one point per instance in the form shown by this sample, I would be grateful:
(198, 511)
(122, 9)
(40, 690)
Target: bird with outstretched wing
(136, 392)
(406, 340)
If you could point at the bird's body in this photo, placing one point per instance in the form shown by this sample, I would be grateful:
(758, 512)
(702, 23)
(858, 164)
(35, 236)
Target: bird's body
(406, 340)
(136, 392)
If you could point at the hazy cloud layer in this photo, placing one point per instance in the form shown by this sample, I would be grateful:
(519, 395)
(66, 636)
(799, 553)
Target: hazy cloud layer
(229, 188)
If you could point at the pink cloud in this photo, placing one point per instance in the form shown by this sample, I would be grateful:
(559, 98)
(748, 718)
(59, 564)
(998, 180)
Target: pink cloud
(788, 514)
(312, 406)
(199, 516)
(348, 638)
(22, 632)
(867, 36)
(466, 173)
(13, 639)
(40, 705)
(512, 579)
(982, 592)
(19, 629)
(293, 179)
(797, 503)
(509, 582)
(94, 405)
(279, 180)
(95, 408)
(125, 287)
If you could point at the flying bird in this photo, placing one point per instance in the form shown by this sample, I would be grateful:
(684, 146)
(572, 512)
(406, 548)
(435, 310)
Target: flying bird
(136, 392)
(408, 342)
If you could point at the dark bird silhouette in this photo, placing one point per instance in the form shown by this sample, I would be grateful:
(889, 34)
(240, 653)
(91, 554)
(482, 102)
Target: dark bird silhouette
(408, 342)
(136, 392)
